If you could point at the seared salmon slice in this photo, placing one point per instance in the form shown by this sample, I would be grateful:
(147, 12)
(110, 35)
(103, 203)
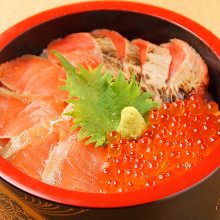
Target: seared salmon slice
(171, 71)
(33, 75)
(126, 51)
(118, 40)
(109, 54)
(131, 63)
(188, 72)
(155, 61)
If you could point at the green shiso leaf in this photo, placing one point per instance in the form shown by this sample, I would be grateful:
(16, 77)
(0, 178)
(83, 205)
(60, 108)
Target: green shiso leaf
(98, 100)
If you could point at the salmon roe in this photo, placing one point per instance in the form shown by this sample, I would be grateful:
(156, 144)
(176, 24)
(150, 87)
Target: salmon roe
(180, 135)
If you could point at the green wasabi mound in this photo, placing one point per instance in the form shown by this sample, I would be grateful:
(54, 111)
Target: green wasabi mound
(132, 123)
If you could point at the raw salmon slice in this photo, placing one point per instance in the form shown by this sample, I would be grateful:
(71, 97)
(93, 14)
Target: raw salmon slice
(33, 75)
(79, 48)
(59, 157)
(188, 72)
(54, 164)
(29, 150)
(81, 169)
(75, 166)
(18, 113)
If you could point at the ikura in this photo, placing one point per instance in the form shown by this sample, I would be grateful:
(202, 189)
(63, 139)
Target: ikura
(180, 135)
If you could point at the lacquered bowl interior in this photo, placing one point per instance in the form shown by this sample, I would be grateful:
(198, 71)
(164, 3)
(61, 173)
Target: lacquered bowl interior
(129, 24)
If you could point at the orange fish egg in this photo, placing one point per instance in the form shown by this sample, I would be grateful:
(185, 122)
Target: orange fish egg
(179, 136)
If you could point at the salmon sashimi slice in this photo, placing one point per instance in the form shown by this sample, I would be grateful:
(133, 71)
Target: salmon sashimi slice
(33, 75)
(76, 166)
(81, 170)
(52, 170)
(54, 164)
(188, 72)
(127, 52)
(35, 144)
(155, 61)
(18, 113)
(59, 157)
(78, 48)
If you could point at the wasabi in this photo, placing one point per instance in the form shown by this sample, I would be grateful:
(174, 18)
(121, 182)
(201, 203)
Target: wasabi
(132, 123)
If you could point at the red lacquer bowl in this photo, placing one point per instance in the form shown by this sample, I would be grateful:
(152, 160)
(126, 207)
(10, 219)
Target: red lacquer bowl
(132, 20)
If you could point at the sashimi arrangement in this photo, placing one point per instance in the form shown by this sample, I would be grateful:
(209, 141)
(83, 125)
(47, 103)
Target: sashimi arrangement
(99, 113)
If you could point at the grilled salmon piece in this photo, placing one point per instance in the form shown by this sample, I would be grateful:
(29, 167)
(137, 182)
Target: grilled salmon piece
(110, 57)
(188, 73)
(33, 75)
(128, 54)
(171, 71)
(131, 63)
(155, 62)
(117, 39)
